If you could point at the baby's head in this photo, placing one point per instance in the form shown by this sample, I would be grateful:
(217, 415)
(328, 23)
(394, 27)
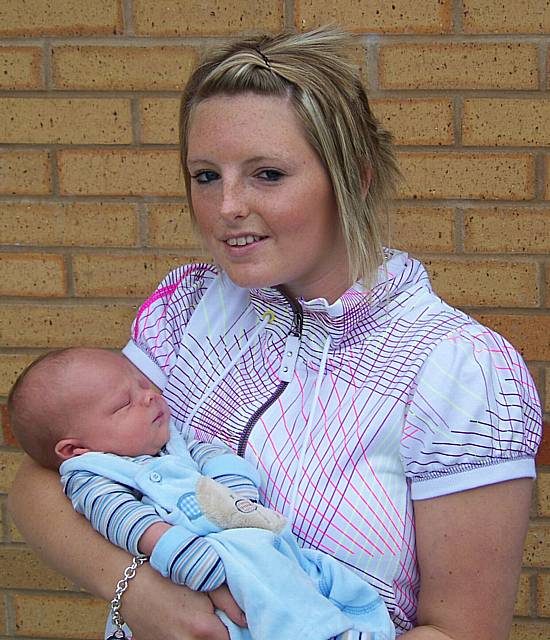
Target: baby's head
(77, 400)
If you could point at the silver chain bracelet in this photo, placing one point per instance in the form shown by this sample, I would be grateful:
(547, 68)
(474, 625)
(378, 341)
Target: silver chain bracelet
(121, 587)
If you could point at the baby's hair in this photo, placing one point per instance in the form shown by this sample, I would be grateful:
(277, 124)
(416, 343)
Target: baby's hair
(33, 406)
(313, 70)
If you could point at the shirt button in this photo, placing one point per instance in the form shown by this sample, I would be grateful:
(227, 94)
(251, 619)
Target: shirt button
(155, 477)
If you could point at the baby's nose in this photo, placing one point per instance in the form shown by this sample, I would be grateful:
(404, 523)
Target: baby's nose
(149, 396)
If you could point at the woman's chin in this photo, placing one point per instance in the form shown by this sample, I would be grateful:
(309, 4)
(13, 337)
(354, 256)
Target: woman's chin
(249, 280)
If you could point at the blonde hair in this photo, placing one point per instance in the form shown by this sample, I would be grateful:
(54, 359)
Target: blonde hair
(313, 70)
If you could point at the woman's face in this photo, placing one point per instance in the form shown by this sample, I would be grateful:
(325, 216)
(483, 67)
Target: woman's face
(262, 199)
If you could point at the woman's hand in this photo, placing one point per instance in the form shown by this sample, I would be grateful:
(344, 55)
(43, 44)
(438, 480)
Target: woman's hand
(222, 599)
(156, 609)
(469, 549)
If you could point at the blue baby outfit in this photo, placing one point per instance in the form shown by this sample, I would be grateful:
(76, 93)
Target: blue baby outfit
(288, 593)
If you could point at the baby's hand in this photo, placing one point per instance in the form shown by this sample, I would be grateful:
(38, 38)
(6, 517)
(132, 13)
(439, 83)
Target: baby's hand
(228, 510)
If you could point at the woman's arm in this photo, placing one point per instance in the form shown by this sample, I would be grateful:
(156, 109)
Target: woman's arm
(74, 549)
(469, 547)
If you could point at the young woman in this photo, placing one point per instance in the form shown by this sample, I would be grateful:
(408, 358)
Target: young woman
(395, 432)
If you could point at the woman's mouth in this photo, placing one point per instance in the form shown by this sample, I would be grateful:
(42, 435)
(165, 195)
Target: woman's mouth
(242, 241)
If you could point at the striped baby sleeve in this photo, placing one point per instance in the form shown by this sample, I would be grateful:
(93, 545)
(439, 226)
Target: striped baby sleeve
(188, 560)
(217, 461)
(113, 509)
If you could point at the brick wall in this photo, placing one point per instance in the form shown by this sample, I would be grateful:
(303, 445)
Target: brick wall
(92, 212)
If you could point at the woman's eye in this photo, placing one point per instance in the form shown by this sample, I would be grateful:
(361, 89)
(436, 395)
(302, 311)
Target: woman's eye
(204, 177)
(270, 175)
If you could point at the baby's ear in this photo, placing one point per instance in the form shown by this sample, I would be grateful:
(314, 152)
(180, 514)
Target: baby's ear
(69, 448)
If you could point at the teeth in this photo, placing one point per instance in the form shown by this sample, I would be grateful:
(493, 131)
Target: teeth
(242, 241)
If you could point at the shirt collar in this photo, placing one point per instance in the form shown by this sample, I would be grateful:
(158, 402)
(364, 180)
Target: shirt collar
(357, 313)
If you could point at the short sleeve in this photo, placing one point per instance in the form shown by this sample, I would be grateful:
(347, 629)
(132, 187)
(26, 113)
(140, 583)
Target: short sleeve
(161, 320)
(473, 416)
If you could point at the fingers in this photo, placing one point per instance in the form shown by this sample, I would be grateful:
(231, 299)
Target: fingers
(222, 599)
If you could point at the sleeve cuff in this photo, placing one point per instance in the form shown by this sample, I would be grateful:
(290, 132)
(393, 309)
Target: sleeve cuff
(442, 484)
(144, 363)
(174, 540)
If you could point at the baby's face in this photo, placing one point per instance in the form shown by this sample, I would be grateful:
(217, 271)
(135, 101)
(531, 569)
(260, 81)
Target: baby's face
(114, 408)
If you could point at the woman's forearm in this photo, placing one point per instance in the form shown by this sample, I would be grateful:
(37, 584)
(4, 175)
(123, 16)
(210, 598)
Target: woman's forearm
(61, 537)
(66, 541)
(425, 633)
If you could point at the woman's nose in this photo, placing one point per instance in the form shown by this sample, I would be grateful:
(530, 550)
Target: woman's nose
(233, 203)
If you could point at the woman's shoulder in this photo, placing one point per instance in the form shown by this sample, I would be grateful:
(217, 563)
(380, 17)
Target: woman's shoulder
(195, 276)
(182, 288)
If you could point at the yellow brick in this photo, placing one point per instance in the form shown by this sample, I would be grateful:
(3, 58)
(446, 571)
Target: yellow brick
(170, 226)
(421, 229)
(358, 57)
(62, 17)
(122, 68)
(15, 536)
(159, 120)
(507, 230)
(32, 275)
(120, 172)
(9, 463)
(3, 618)
(537, 546)
(21, 569)
(523, 597)
(423, 121)
(523, 630)
(73, 224)
(21, 68)
(65, 121)
(11, 365)
(104, 275)
(379, 16)
(506, 16)
(543, 493)
(547, 186)
(479, 283)
(528, 333)
(467, 175)
(207, 17)
(506, 122)
(52, 326)
(24, 173)
(13, 533)
(459, 66)
(59, 616)
(543, 595)
(3, 511)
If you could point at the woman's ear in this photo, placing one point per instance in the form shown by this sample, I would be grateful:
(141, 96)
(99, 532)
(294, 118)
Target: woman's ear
(69, 448)
(366, 178)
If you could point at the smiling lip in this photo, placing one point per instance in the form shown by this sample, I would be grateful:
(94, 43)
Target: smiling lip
(242, 239)
(242, 244)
